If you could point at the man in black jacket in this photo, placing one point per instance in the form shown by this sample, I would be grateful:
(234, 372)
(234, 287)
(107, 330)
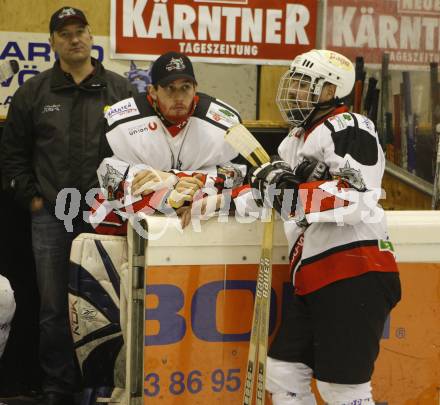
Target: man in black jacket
(52, 144)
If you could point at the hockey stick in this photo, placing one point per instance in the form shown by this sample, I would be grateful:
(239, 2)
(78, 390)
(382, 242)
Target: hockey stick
(245, 143)
(358, 84)
(410, 121)
(8, 68)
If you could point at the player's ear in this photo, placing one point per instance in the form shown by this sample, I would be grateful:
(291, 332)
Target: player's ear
(90, 33)
(328, 92)
(51, 42)
(152, 92)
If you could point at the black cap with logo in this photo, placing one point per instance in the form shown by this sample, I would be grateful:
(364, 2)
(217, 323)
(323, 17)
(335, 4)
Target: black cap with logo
(64, 14)
(172, 66)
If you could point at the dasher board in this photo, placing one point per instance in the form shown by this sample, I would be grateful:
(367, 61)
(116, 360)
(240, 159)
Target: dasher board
(415, 235)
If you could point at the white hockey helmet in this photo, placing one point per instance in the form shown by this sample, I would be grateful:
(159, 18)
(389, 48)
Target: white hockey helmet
(300, 87)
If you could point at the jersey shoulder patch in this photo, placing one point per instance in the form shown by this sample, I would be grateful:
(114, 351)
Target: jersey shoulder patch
(349, 138)
(121, 110)
(216, 112)
(339, 122)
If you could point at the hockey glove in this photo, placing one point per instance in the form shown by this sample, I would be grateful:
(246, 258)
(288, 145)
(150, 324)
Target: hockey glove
(312, 171)
(274, 184)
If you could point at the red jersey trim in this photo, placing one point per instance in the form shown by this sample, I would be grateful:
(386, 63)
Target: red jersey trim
(315, 199)
(341, 265)
(338, 110)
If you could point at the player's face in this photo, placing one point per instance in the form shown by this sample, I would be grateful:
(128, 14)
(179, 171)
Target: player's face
(299, 91)
(73, 43)
(175, 100)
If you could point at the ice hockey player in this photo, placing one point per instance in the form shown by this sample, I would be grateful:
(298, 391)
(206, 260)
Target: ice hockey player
(343, 267)
(7, 310)
(174, 137)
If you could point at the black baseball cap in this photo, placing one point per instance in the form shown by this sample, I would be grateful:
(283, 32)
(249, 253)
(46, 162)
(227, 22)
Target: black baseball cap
(64, 14)
(171, 66)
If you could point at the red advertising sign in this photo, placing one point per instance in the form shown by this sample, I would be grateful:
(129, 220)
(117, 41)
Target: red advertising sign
(226, 31)
(408, 30)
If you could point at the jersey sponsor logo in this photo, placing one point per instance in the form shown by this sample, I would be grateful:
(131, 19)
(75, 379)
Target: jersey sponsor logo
(338, 123)
(142, 129)
(222, 115)
(368, 124)
(51, 108)
(123, 109)
(386, 246)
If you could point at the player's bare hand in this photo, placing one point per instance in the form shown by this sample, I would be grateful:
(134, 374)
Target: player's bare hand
(149, 180)
(36, 204)
(184, 214)
(203, 208)
(185, 190)
(189, 185)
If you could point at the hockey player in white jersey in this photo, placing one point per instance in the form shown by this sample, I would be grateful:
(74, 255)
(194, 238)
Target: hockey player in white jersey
(174, 136)
(343, 268)
(7, 310)
(168, 147)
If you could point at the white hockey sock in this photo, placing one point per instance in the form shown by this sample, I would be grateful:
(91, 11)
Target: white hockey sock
(345, 394)
(288, 398)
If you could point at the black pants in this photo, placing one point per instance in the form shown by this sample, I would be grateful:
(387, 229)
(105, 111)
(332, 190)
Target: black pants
(336, 330)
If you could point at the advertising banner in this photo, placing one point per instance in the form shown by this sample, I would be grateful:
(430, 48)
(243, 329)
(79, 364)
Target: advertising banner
(408, 30)
(198, 321)
(224, 31)
(199, 298)
(33, 54)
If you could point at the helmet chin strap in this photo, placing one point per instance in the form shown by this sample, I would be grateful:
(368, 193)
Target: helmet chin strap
(320, 110)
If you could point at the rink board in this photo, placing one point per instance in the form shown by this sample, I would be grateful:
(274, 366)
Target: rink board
(198, 310)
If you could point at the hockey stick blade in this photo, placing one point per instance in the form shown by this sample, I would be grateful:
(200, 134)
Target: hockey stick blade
(245, 143)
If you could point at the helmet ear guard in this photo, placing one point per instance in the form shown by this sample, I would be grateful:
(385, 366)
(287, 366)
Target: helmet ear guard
(316, 68)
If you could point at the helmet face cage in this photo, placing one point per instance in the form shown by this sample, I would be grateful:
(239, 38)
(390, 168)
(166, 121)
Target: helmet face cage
(298, 93)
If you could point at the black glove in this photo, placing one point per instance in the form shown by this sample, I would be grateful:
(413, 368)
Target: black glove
(312, 171)
(272, 183)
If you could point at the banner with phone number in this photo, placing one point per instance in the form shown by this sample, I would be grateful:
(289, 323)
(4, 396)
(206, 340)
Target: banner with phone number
(199, 320)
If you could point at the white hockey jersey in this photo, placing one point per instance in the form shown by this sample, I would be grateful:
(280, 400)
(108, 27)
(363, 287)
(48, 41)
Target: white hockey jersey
(140, 139)
(338, 230)
(138, 136)
(347, 233)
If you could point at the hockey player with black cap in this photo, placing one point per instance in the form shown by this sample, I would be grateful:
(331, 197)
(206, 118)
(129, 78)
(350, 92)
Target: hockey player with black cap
(172, 140)
(344, 272)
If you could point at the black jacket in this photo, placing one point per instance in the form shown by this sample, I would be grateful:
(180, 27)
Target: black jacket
(54, 134)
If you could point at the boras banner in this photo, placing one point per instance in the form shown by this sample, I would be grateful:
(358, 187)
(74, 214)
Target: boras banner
(226, 31)
(409, 30)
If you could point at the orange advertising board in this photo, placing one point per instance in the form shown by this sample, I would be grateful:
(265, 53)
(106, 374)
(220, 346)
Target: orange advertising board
(198, 321)
(224, 31)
